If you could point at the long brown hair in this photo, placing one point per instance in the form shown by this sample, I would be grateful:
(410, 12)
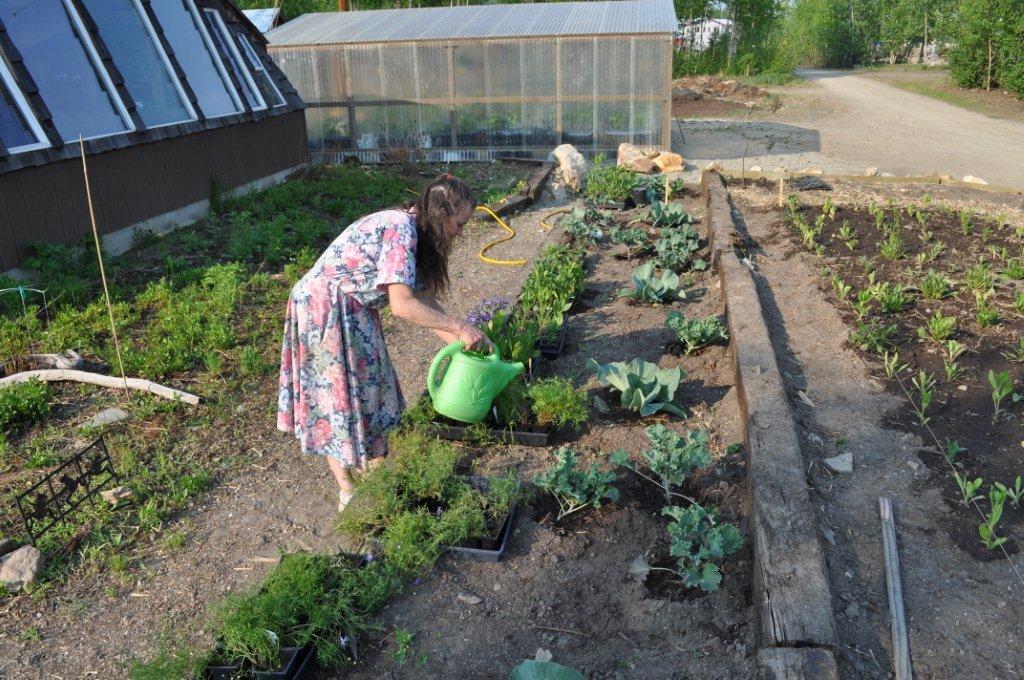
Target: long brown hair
(445, 201)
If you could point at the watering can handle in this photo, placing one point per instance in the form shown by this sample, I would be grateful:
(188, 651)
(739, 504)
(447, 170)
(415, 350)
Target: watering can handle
(445, 353)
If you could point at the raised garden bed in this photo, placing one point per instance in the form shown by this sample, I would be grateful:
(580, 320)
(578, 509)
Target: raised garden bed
(897, 275)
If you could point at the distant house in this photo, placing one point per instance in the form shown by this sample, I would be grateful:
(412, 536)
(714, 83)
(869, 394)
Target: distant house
(698, 34)
(263, 19)
(169, 97)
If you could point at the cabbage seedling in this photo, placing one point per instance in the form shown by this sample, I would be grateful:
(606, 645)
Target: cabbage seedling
(573, 487)
(644, 387)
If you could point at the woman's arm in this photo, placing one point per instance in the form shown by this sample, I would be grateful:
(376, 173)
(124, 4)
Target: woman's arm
(428, 313)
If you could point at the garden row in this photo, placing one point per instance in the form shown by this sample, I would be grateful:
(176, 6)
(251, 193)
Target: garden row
(421, 504)
(936, 297)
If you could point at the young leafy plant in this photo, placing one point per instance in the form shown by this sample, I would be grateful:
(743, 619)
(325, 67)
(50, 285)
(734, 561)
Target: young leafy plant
(669, 215)
(1014, 493)
(698, 540)
(987, 530)
(874, 337)
(555, 402)
(985, 314)
(934, 286)
(609, 183)
(891, 298)
(892, 247)
(1002, 387)
(675, 248)
(968, 488)
(573, 488)
(696, 333)
(938, 328)
(924, 384)
(656, 289)
(671, 458)
(635, 239)
(644, 387)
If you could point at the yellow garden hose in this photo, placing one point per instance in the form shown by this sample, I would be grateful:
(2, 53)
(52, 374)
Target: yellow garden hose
(511, 235)
(544, 220)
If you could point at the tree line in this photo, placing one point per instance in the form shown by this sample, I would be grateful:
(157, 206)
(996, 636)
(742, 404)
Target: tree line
(982, 39)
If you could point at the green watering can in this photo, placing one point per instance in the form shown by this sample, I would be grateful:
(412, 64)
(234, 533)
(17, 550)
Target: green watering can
(465, 389)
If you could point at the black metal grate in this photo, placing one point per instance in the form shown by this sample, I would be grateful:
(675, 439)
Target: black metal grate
(64, 489)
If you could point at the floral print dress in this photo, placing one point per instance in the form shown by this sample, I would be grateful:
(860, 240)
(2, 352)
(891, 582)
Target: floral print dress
(338, 392)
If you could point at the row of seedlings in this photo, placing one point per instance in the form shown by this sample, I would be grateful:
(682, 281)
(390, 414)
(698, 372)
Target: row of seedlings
(937, 294)
(665, 235)
(531, 407)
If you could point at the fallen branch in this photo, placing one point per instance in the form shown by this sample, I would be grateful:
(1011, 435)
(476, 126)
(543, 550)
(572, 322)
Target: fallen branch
(59, 375)
(68, 360)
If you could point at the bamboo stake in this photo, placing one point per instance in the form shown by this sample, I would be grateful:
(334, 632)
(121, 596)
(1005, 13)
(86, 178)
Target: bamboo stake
(103, 271)
(782, 185)
(900, 640)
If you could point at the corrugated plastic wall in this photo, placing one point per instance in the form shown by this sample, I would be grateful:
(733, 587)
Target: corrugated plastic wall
(491, 97)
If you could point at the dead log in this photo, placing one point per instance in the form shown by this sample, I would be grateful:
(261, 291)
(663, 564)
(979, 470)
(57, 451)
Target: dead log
(60, 375)
(68, 360)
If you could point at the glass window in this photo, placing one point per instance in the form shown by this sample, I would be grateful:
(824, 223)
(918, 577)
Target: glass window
(221, 38)
(259, 71)
(52, 43)
(19, 130)
(140, 59)
(201, 64)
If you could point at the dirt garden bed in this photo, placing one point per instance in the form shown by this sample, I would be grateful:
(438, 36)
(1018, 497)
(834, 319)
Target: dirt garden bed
(565, 586)
(861, 433)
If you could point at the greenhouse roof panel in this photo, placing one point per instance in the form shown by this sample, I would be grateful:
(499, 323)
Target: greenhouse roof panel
(607, 17)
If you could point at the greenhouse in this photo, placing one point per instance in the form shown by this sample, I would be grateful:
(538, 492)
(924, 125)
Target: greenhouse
(481, 82)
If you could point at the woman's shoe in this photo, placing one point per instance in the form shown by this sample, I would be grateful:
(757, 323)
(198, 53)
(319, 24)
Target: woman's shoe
(343, 499)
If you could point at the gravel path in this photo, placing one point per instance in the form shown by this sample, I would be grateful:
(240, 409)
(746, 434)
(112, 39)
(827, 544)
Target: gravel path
(844, 123)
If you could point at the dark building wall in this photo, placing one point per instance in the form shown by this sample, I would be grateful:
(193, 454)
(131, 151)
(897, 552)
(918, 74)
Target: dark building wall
(136, 183)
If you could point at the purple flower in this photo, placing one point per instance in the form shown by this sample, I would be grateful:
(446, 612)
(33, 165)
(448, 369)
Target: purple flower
(486, 310)
(343, 641)
(417, 582)
(368, 557)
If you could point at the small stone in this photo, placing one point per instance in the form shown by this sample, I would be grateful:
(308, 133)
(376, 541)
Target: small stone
(829, 535)
(816, 439)
(871, 172)
(812, 171)
(7, 546)
(116, 495)
(913, 465)
(852, 610)
(841, 464)
(468, 599)
(497, 587)
(599, 405)
(19, 568)
(669, 162)
(971, 179)
(106, 417)
(755, 168)
(962, 388)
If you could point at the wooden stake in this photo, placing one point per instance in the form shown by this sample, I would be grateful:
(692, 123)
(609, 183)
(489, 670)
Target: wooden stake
(782, 189)
(99, 256)
(900, 640)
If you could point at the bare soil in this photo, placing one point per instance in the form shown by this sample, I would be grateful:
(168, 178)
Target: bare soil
(715, 97)
(963, 612)
(565, 587)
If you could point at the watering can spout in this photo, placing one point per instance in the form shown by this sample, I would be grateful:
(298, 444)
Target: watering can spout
(469, 382)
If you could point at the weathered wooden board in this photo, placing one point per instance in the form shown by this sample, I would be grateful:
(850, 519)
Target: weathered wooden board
(789, 663)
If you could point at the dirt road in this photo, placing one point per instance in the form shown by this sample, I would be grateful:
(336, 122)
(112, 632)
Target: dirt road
(842, 122)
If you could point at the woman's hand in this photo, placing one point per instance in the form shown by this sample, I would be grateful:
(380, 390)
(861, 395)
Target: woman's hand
(472, 336)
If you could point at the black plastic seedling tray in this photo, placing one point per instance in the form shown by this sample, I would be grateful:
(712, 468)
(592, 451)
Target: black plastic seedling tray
(552, 348)
(297, 663)
(529, 436)
(492, 548)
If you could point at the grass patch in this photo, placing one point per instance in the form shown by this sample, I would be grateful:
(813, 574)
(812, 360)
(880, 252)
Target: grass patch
(772, 79)
(930, 90)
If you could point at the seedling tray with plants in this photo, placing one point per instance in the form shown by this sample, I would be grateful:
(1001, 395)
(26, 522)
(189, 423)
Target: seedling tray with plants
(934, 300)
(492, 546)
(552, 347)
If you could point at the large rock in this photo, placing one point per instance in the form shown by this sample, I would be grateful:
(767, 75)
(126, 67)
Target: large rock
(669, 162)
(19, 568)
(634, 157)
(572, 166)
(106, 417)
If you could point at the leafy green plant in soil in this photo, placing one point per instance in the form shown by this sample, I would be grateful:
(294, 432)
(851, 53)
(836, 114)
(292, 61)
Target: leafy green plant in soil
(586, 225)
(555, 280)
(1002, 387)
(653, 288)
(514, 335)
(697, 333)
(938, 328)
(555, 402)
(23, 404)
(609, 183)
(575, 488)
(644, 386)
(675, 250)
(671, 458)
(874, 337)
(934, 286)
(669, 216)
(635, 239)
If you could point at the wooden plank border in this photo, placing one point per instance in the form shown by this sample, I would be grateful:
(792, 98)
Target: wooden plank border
(791, 587)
